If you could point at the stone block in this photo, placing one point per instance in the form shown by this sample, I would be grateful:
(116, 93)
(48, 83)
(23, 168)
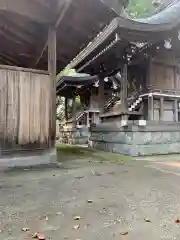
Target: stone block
(136, 142)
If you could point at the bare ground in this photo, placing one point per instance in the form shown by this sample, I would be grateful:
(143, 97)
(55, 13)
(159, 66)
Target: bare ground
(124, 196)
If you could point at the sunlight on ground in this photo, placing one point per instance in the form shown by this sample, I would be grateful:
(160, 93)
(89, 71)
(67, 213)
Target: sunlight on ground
(69, 152)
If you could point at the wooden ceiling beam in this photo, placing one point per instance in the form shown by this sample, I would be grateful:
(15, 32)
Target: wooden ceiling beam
(11, 26)
(5, 61)
(8, 45)
(29, 9)
(9, 58)
(45, 4)
(65, 8)
(12, 38)
(14, 34)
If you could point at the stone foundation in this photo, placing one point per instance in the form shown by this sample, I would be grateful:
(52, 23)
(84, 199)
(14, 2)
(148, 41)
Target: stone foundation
(135, 140)
(74, 135)
(29, 159)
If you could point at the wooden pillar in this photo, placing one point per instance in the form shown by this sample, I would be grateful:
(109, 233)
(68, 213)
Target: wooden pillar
(175, 110)
(175, 77)
(87, 119)
(124, 87)
(149, 74)
(161, 117)
(149, 85)
(74, 106)
(74, 109)
(52, 72)
(150, 108)
(101, 95)
(65, 109)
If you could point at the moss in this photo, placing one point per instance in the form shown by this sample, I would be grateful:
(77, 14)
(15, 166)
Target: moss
(68, 152)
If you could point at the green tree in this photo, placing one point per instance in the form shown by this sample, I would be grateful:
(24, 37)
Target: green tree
(140, 8)
(60, 108)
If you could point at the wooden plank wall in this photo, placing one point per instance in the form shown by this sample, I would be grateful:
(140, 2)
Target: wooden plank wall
(24, 109)
(163, 76)
(177, 75)
(165, 70)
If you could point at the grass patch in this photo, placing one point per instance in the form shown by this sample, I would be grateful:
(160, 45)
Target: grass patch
(68, 152)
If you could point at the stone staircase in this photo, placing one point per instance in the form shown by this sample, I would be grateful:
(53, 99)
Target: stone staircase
(79, 115)
(133, 102)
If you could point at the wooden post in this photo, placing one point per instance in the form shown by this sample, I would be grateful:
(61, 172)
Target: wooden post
(124, 87)
(150, 108)
(52, 73)
(175, 110)
(74, 109)
(149, 74)
(65, 109)
(149, 85)
(87, 118)
(175, 77)
(161, 108)
(101, 95)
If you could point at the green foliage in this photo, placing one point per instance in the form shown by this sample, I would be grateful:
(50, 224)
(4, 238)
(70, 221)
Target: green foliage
(68, 152)
(67, 71)
(140, 8)
(60, 106)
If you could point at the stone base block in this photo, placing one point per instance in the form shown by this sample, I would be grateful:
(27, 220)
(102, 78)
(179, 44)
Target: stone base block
(137, 140)
(46, 158)
(74, 135)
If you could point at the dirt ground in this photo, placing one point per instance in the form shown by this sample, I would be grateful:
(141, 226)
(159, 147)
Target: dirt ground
(140, 199)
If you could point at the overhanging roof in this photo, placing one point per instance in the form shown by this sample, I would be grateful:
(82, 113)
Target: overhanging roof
(68, 84)
(24, 25)
(147, 31)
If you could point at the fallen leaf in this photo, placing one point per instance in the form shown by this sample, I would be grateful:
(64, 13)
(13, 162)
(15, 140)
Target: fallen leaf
(75, 227)
(86, 226)
(58, 213)
(25, 229)
(77, 218)
(146, 219)
(124, 233)
(41, 236)
(177, 221)
(35, 235)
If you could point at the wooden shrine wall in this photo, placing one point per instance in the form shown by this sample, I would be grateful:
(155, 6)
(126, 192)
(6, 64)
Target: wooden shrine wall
(163, 76)
(136, 79)
(165, 72)
(25, 97)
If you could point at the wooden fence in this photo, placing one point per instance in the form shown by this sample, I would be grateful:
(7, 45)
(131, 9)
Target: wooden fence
(25, 103)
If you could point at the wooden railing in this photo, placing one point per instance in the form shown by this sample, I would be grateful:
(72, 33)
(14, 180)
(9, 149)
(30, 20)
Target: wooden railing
(163, 91)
